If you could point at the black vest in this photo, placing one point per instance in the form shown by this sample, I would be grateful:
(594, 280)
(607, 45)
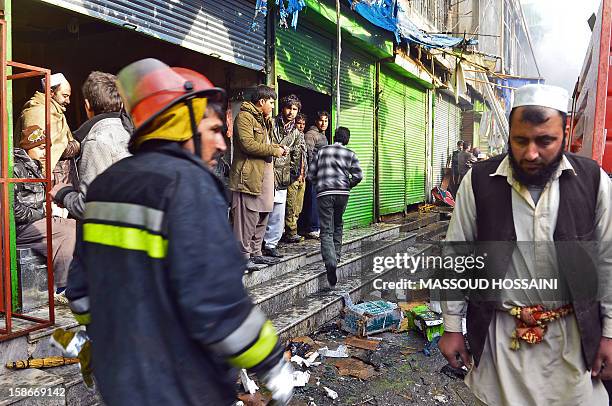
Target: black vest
(575, 222)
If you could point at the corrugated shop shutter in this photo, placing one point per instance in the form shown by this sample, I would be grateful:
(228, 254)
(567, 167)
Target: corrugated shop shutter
(416, 134)
(454, 128)
(467, 126)
(357, 80)
(391, 147)
(220, 29)
(304, 58)
(440, 138)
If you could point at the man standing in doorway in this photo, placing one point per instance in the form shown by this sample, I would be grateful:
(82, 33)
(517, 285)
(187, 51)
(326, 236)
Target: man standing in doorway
(334, 171)
(64, 148)
(465, 160)
(537, 193)
(455, 168)
(295, 192)
(286, 134)
(315, 139)
(252, 174)
(106, 141)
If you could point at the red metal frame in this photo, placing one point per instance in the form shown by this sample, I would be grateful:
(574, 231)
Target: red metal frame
(6, 182)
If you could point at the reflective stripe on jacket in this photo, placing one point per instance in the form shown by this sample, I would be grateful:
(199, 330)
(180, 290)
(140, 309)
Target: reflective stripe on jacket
(170, 318)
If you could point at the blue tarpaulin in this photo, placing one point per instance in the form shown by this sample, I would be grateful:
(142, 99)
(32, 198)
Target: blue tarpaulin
(381, 13)
(292, 9)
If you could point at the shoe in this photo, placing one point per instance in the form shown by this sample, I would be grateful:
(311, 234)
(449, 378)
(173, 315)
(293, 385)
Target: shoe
(265, 260)
(293, 239)
(313, 235)
(272, 252)
(332, 278)
(60, 299)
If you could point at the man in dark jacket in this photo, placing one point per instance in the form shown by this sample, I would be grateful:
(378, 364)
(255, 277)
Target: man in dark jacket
(315, 139)
(29, 206)
(334, 171)
(170, 320)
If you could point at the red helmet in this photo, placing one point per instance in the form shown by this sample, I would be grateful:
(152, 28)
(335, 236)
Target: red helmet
(150, 87)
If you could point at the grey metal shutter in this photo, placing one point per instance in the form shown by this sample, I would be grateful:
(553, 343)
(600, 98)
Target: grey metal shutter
(454, 128)
(440, 138)
(221, 29)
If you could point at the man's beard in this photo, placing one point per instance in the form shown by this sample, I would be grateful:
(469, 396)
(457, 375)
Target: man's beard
(539, 178)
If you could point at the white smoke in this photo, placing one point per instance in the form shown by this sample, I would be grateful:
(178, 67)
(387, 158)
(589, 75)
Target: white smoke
(561, 50)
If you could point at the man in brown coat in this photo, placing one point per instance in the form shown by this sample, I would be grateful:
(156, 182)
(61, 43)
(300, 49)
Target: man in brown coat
(252, 174)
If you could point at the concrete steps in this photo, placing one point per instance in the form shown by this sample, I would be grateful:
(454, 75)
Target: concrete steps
(307, 314)
(274, 295)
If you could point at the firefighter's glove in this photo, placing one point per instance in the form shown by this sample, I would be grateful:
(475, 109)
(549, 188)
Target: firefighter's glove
(75, 345)
(279, 380)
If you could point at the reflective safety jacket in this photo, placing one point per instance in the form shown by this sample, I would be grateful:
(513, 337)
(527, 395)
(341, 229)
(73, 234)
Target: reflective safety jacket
(160, 273)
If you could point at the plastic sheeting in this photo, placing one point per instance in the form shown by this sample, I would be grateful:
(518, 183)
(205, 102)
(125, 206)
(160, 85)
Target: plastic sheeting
(292, 9)
(381, 13)
(409, 31)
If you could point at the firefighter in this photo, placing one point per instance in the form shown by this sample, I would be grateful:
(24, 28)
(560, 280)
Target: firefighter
(160, 282)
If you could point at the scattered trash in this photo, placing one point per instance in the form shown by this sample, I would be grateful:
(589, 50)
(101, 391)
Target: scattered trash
(306, 362)
(440, 398)
(369, 357)
(407, 397)
(300, 378)
(429, 323)
(362, 343)
(305, 340)
(341, 352)
(299, 348)
(454, 373)
(248, 384)
(256, 399)
(431, 346)
(239, 403)
(330, 393)
(370, 317)
(409, 351)
(354, 367)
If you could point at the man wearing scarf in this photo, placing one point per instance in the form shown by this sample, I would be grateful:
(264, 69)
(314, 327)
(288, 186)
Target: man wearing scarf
(284, 133)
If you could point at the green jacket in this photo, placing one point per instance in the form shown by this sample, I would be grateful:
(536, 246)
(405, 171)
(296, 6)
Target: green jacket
(251, 150)
(287, 168)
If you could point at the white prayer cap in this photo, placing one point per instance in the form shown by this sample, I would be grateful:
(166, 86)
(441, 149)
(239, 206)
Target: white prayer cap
(542, 95)
(56, 79)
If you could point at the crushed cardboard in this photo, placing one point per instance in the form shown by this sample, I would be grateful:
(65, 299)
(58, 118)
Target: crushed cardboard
(354, 367)
(363, 343)
(340, 352)
(256, 399)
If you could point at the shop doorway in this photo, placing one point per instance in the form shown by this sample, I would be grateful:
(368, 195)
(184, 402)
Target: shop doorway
(76, 44)
(312, 102)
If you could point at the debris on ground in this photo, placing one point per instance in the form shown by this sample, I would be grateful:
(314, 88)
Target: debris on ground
(410, 351)
(341, 352)
(300, 378)
(256, 399)
(305, 340)
(248, 384)
(299, 348)
(431, 346)
(371, 317)
(48, 362)
(454, 373)
(331, 393)
(440, 398)
(354, 367)
(362, 343)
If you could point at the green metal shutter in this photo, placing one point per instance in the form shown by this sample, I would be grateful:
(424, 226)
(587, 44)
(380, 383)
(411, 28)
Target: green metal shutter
(304, 58)
(416, 133)
(357, 78)
(391, 147)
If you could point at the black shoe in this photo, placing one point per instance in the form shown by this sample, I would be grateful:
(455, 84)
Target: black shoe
(332, 278)
(272, 252)
(293, 239)
(251, 267)
(264, 260)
